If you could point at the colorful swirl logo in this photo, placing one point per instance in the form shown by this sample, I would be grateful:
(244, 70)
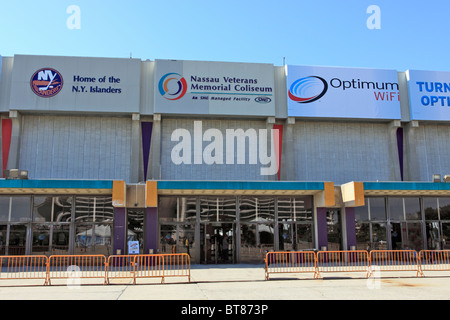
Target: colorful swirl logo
(172, 86)
(308, 89)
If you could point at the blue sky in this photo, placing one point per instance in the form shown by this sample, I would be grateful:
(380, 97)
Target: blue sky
(413, 35)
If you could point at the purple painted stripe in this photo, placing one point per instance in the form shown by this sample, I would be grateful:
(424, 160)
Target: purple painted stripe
(322, 232)
(120, 230)
(151, 230)
(146, 128)
(351, 228)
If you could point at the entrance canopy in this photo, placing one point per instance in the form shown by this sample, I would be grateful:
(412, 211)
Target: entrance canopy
(406, 188)
(280, 188)
(18, 186)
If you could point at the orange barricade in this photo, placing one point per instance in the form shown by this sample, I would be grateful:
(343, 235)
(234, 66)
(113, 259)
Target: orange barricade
(149, 266)
(121, 267)
(163, 265)
(290, 262)
(342, 261)
(177, 265)
(75, 267)
(23, 267)
(394, 260)
(434, 260)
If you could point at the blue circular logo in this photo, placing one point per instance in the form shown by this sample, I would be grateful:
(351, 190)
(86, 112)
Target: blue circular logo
(308, 89)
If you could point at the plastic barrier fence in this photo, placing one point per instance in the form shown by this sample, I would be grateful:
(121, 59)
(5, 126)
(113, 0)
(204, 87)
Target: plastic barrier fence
(177, 265)
(342, 261)
(23, 267)
(150, 266)
(431, 260)
(120, 267)
(290, 262)
(76, 267)
(394, 260)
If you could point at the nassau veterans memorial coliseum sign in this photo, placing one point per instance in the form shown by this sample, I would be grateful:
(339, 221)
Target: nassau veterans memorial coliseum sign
(219, 88)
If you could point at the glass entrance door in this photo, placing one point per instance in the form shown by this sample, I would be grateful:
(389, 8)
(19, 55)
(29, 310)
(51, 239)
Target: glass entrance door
(295, 236)
(135, 231)
(433, 235)
(334, 228)
(217, 244)
(406, 236)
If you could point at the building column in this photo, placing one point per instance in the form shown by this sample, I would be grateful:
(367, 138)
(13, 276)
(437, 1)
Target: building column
(322, 201)
(136, 153)
(288, 173)
(119, 230)
(350, 227)
(14, 149)
(412, 165)
(321, 228)
(151, 230)
(154, 169)
(393, 151)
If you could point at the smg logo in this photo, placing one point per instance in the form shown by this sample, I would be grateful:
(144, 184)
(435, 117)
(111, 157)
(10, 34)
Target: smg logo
(46, 82)
(308, 89)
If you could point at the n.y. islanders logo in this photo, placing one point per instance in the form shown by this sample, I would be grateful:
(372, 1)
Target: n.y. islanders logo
(46, 82)
(308, 89)
(172, 86)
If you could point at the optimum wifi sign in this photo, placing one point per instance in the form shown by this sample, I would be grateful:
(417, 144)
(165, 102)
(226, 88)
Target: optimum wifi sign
(330, 92)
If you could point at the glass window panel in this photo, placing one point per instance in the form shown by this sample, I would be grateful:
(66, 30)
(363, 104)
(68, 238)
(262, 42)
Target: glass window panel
(185, 239)
(20, 210)
(4, 208)
(253, 209)
(362, 236)
(304, 236)
(62, 209)
(41, 239)
(412, 209)
(177, 209)
(104, 211)
(414, 238)
(256, 241)
(217, 209)
(445, 236)
(60, 239)
(286, 234)
(93, 209)
(93, 239)
(334, 229)
(444, 208)
(433, 240)
(430, 208)
(247, 208)
(377, 209)
(17, 240)
(42, 209)
(266, 210)
(295, 209)
(362, 213)
(177, 238)
(3, 231)
(396, 208)
(84, 208)
(379, 236)
(168, 209)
